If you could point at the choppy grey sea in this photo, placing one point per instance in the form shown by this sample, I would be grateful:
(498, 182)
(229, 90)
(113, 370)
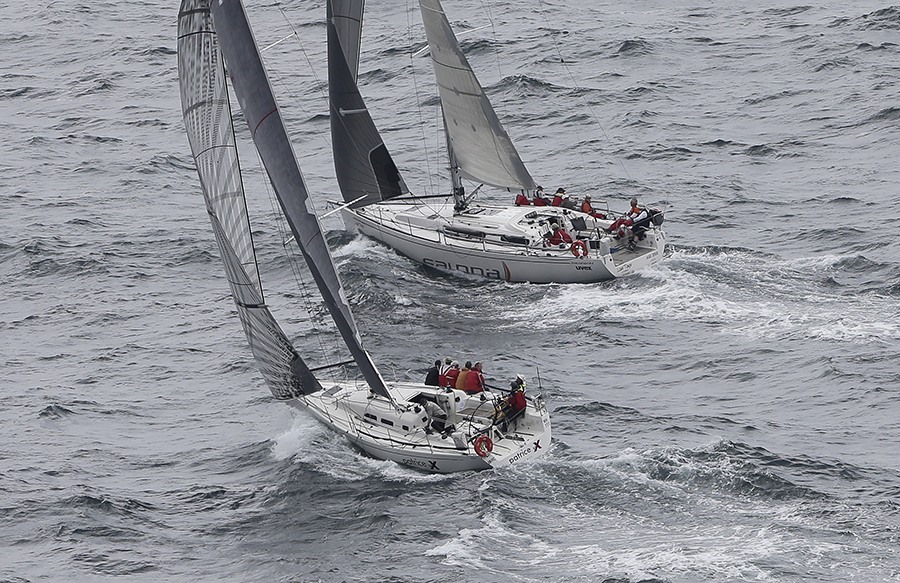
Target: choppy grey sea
(730, 415)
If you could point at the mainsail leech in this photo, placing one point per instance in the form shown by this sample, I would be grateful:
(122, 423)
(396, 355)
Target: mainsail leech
(481, 146)
(364, 167)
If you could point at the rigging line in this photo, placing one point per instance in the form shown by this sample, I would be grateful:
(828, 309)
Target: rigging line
(290, 91)
(320, 320)
(302, 50)
(326, 139)
(317, 325)
(278, 42)
(441, 143)
(415, 78)
(575, 84)
(361, 327)
(294, 262)
(490, 16)
(458, 35)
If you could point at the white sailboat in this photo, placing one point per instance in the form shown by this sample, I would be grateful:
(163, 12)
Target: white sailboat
(495, 241)
(392, 421)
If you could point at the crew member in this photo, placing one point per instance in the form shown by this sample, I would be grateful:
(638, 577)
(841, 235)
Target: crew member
(475, 380)
(629, 217)
(539, 198)
(587, 209)
(452, 375)
(463, 373)
(442, 372)
(431, 379)
(558, 235)
(517, 402)
(638, 218)
(513, 405)
(437, 415)
(522, 200)
(558, 197)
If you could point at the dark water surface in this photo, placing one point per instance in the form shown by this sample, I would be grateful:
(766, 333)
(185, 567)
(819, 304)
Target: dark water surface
(729, 416)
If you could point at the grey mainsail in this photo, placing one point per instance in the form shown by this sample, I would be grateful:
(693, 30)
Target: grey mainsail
(365, 170)
(254, 92)
(207, 119)
(481, 146)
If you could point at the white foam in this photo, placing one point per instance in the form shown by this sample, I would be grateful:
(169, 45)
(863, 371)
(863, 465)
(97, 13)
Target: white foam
(477, 548)
(360, 246)
(742, 293)
(299, 439)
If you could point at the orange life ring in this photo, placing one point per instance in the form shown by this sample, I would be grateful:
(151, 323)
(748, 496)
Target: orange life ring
(483, 445)
(579, 245)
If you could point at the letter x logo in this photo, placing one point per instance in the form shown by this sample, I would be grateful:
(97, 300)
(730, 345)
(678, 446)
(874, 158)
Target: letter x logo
(537, 445)
(433, 465)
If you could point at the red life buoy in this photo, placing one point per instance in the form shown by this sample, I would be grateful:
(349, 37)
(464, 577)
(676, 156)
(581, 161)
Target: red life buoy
(483, 445)
(579, 245)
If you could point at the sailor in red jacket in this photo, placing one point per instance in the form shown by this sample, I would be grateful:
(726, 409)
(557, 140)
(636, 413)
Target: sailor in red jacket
(522, 200)
(558, 197)
(442, 372)
(513, 405)
(517, 401)
(452, 375)
(475, 380)
(587, 209)
(633, 215)
(539, 199)
(558, 235)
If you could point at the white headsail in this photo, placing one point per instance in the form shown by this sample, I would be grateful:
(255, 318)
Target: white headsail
(480, 145)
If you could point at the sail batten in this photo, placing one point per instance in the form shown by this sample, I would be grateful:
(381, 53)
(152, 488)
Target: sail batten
(346, 17)
(482, 148)
(207, 118)
(254, 92)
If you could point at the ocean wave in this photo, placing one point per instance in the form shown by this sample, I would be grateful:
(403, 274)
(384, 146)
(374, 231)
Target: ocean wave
(721, 468)
(746, 290)
(634, 47)
(55, 412)
(883, 19)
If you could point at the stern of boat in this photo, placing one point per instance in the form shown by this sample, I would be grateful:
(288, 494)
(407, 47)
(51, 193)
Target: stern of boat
(527, 440)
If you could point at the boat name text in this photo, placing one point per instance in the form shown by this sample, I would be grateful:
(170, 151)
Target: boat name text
(438, 264)
(419, 463)
(519, 455)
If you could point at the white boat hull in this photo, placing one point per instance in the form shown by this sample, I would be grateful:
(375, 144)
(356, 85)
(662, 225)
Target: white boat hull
(379, 431)
(427, 237)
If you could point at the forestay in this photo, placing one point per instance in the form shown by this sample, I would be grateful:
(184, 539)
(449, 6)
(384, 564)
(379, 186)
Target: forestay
(207, 118)
(482, 148)
(364, 167)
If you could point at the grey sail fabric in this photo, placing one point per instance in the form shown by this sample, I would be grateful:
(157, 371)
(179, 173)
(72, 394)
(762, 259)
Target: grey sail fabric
(346, 18)
(286, 374)
(365, 171)
(482, 147)
(207, 118)
(254, 92)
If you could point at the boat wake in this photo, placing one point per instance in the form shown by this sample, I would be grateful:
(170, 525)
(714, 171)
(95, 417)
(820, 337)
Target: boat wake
(743, 292)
